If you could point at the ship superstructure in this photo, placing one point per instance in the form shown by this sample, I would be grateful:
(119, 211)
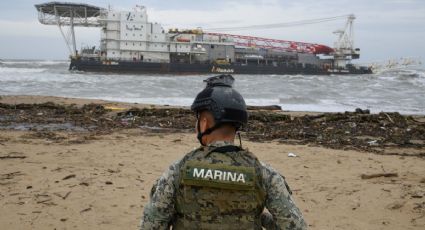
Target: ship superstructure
(129, 42)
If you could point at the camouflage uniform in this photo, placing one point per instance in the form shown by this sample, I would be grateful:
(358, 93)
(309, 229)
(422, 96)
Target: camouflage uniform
(165, 208)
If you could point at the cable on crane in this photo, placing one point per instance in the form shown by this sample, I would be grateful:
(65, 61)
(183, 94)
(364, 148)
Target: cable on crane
(279, 25)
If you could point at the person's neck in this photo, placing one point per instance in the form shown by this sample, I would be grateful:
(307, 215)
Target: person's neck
(209, 139)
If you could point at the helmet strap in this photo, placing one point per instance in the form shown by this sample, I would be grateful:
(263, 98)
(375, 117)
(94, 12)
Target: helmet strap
(240, 139)
(207, 132)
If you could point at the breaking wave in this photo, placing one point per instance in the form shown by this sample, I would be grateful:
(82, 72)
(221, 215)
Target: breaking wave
(401, 90)
(21, 70)
(32, 63)
(297, 100)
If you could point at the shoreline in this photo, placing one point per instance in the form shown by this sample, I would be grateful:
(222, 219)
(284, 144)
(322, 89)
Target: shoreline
(37, 99)
(87, 166)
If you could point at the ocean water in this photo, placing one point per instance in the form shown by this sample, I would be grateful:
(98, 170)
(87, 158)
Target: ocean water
(401, 90)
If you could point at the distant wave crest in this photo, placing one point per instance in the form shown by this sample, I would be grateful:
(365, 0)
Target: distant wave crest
(32, 63)
(21, 70)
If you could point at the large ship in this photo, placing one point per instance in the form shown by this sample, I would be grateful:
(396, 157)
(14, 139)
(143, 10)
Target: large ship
(130, 43)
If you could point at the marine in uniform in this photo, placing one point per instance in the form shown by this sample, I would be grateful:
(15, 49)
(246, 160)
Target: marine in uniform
(220, 185)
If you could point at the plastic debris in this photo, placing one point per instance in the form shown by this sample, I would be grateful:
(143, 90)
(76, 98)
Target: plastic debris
(374, 142)
(292, 155)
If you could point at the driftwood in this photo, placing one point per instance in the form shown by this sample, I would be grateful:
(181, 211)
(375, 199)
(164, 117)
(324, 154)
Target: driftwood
(370, 176)
(63, 197)
(69, 177)
(266, 107)
(12, 157)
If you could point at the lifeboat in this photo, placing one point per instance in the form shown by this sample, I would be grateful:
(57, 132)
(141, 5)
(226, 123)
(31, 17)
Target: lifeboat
(183, 39)
(322, 49)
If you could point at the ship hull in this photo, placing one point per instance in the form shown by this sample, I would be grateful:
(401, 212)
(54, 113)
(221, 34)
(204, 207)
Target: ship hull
(186, 68)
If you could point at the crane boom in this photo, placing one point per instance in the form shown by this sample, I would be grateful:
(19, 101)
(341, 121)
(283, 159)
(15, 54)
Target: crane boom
(345, 38)
(274, 44)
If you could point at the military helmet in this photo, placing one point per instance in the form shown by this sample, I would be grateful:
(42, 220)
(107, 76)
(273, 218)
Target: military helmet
(224, 102)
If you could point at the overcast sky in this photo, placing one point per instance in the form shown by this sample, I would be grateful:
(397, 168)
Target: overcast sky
(384, 29)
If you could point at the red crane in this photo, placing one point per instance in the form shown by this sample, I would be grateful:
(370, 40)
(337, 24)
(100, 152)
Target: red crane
(275, 44)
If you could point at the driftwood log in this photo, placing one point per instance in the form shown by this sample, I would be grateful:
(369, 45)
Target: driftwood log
(370, 176)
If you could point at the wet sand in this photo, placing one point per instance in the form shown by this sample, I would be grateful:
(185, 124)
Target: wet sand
(101, 178)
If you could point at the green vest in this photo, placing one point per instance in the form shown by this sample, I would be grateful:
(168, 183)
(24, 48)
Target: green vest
(219, 188)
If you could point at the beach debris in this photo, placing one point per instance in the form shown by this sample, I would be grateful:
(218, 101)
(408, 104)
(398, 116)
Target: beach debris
(69, 177)
(375, 175)
(66, 195)
(362, 111)
(48, 201)
(85, 210)
(62, 196)
(113, 171)
(11, 175)
(12, 157)
(396, 205)
(359, 130)
(108, 182)
(389, 118)
(114, 108)
(374, 142)
(266, 107)
(419, 206)
(292, 155)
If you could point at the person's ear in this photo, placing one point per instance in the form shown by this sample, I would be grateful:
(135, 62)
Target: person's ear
(203, 122)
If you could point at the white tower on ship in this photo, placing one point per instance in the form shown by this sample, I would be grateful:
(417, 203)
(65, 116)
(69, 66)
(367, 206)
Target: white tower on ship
(344, 46)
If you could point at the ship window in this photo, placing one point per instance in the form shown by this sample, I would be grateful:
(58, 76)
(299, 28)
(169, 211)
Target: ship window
(126, 34)
(134, 35)
(113, 15)
(212, 46)
(126, 44)
(113, 52)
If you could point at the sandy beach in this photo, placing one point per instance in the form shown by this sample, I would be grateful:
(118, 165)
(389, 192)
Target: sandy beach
(92, 178)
